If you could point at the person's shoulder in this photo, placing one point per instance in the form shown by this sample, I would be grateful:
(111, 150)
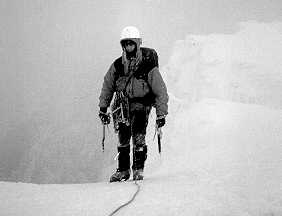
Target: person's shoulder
(119, 59)
(118, 62)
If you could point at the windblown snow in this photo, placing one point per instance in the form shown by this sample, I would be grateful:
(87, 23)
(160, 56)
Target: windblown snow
(222, 152)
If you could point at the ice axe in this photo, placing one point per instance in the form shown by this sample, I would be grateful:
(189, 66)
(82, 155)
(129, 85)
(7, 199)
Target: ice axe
(103, 138)
(159, 134)
(104, 131)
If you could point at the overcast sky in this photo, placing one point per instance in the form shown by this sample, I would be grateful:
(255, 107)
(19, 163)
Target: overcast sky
(99, 23)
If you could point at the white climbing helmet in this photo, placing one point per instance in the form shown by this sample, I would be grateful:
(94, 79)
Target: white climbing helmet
(130, 32)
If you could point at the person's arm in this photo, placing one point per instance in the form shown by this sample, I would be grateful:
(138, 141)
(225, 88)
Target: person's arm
(159, 89)
(107, 91)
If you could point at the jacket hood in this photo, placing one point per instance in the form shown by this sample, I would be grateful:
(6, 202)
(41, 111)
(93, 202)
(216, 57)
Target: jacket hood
(137, 41)
(138, 54)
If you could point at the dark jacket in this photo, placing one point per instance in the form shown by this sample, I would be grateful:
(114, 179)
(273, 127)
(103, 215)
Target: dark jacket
(142, 86)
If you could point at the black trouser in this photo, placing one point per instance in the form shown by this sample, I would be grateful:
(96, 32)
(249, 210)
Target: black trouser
(136, 130)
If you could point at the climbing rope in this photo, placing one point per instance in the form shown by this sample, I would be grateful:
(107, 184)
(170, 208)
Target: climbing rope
(129, 201)
(134, 195)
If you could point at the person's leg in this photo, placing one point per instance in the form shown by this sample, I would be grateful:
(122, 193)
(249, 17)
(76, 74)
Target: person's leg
(123, 148)
(123, 169)
(139, 123)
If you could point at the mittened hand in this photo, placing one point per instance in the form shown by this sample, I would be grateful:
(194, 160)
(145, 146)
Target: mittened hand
(160, 121)
(104, 116)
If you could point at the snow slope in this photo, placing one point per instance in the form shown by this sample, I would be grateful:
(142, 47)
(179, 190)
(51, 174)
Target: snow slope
(219, 158)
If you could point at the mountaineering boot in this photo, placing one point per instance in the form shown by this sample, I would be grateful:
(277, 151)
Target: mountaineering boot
(120, 176)
(123, 171)
(138, 175)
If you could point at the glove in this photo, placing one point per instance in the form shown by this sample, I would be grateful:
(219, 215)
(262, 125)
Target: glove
(104, 116)
(160, 122)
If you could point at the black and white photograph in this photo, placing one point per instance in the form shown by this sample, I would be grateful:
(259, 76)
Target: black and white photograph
(141, 108)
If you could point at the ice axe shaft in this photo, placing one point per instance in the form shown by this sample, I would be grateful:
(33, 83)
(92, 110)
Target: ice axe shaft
(159, 133)
(103, 138)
